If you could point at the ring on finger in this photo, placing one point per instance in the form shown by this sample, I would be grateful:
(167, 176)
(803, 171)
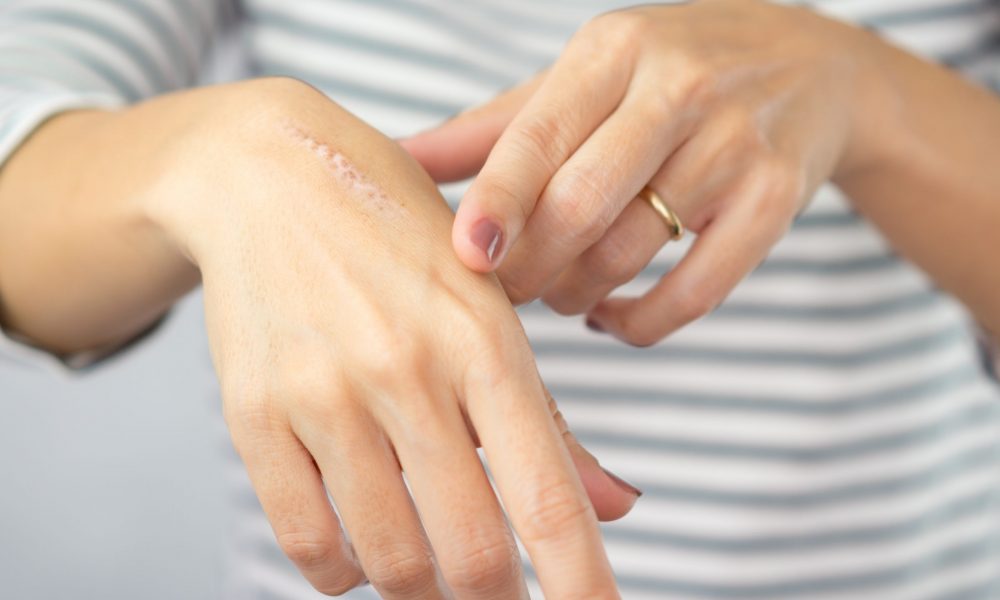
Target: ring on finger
(669, 217)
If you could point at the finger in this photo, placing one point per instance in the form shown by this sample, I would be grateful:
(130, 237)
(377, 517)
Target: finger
(699, 171)
(474, 547)
(591, 189)
(364, 479)
(292, 495)
(580, 91)
(611, 496)
(628, 246)
(732, 245)
(457, 148)
(536, 478)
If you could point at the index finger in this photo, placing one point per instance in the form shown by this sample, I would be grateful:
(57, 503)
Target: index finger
(581, 90)
(536, 478)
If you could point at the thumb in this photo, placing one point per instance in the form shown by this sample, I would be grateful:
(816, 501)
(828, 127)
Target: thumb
(457, 148)
(611, 496)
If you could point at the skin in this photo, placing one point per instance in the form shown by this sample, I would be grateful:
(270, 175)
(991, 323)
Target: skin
(352, 346)
(735, 112)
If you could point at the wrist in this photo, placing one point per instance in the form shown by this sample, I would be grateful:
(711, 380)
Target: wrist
(281, 152)
(81, 266)
(229, 160)
(876, 132)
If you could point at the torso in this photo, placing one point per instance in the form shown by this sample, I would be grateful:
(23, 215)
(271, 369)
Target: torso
(827, 432)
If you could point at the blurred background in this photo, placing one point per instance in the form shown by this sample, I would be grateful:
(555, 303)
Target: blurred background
(111, 482)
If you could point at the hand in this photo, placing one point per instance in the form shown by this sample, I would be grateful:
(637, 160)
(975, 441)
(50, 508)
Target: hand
(734, 111)
(352, 345)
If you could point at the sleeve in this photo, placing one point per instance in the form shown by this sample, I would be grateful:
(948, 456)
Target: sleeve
(58, 55)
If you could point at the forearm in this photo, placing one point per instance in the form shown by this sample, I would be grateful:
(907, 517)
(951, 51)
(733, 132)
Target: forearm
(932, 184)
(80, 265)
(107, 218)
(75, 265)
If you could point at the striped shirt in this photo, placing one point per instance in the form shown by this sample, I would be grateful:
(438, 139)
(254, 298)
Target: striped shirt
(828, 432)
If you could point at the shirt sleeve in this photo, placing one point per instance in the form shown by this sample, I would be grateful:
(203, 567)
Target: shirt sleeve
(58, 55)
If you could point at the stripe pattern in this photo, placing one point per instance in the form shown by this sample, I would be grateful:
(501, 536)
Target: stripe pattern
(827, 432)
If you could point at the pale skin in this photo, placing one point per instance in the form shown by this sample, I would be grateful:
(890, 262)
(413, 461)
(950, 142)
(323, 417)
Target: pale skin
(350, 338)
(350, 343)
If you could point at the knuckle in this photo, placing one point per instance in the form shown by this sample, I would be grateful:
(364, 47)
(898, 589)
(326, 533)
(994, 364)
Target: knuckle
(657, 109)
(584, 207)
(476, 320)
(780, 186)
(249, 410)
(309, 549)
(741, 127)
(612, 260)
(565, 304)
(543, 140)
(610, 44)
(519, 290)
(735, 142)
(309, 383)
(402, 569)
(487, 567)
(694, 84)
(625, 26)
(339, 586)
(489, 363)
(338, 582)
(485, 330)
(502, 365)
(555, 509)
(391, 356)
(787, 181)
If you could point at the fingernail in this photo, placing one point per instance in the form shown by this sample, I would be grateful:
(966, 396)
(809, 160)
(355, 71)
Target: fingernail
(628, 487)
(486, 235)
(594, 325)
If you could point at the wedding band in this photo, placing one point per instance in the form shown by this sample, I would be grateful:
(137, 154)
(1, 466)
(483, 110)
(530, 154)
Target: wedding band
(669, 217)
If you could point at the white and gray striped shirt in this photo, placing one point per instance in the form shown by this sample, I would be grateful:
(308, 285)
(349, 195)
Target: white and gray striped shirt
(829, 431)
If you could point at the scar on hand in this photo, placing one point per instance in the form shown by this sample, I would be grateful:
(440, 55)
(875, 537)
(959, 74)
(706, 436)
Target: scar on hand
(345, 172)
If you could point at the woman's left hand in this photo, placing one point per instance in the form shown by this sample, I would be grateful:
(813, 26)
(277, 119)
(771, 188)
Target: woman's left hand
(732, 111)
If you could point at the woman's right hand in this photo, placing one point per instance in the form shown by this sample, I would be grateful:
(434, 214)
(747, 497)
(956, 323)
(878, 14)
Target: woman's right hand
(351, 345)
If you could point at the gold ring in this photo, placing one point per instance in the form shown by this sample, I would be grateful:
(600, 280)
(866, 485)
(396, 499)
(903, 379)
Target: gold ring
(669, 217)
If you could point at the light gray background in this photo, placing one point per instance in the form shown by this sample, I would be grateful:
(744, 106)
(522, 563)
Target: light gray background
(111, 483)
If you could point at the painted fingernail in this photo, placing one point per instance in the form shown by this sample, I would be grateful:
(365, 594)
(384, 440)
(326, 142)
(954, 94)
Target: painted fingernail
(628, 487)
(594, 325)
(486, 235)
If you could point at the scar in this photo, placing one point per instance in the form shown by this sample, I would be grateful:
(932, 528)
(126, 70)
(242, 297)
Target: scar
(345, 172)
